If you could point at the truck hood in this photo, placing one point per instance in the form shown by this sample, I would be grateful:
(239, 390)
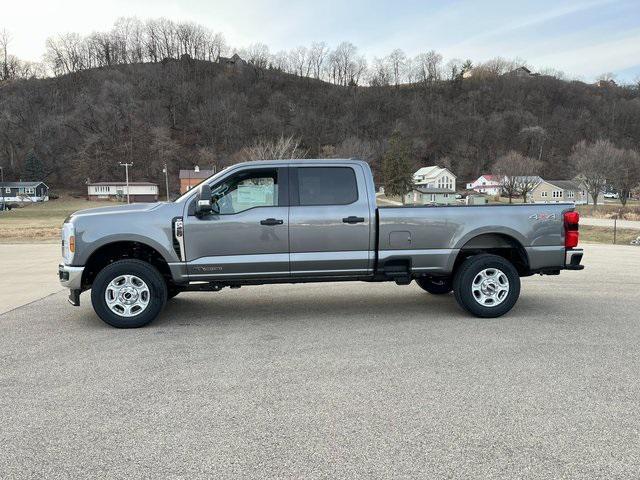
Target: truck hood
(134, 207)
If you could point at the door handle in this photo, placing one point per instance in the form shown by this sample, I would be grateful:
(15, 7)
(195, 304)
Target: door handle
(353, 219)
(271, 221)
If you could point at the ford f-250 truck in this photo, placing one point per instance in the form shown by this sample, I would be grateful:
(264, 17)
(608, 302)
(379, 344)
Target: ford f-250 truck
(307, 221)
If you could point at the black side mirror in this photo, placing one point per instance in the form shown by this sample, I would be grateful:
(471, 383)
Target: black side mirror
(203, 205)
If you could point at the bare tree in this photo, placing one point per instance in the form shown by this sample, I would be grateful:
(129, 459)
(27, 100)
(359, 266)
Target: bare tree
(518, 174)
(257, 54)
(625, 174)
(593, 162)
(317, 56)
(299, 61)
(535, 137)
(397, 61)
(380, 73)
(5, 39)
(283, 148)
(427, 66)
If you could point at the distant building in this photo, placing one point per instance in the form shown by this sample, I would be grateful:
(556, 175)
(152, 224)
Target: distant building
(423, 195)
(521, 72)
(559, 191)
(435, 177)
(192, 178)
(487, 184)
(24, 192)
(138, 191)
(235, 61)
(606, 83)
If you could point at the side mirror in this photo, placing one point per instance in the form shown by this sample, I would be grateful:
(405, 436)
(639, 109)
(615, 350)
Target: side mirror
(203, 205)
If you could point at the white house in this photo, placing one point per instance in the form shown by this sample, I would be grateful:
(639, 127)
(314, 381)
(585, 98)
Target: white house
(138, 191)
(23, 192)
(421, 195)
(435, 177)
(487, 184)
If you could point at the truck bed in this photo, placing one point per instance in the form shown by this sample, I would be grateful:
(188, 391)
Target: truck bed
(432, 236)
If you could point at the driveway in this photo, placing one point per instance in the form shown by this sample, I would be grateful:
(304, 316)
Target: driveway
(29, 272)
(332, 381)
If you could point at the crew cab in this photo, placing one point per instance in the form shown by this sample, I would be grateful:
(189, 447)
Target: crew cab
(291, 221)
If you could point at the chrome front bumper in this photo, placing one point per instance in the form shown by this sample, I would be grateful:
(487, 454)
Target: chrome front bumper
(572, 259)
(70, 277)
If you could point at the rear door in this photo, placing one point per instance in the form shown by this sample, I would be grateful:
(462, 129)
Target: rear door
(329, 221)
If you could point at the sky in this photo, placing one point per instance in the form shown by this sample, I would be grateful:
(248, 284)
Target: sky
(583, 39)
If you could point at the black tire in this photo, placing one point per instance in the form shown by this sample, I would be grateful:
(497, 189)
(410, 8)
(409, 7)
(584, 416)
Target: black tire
(435, 286)
(148, 273)
(463, 285)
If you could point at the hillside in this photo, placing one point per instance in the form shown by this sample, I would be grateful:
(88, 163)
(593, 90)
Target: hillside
(187, 112)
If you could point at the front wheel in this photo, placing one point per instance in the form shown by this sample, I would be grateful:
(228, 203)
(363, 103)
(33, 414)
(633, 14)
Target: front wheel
(128, 293)
(486, 285)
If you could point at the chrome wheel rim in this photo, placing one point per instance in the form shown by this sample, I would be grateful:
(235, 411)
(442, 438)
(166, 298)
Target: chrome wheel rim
(127, 295)
(490, 287)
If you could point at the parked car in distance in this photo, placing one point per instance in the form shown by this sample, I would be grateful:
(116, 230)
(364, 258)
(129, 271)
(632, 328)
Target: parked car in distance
(611, 195)
(307, 221)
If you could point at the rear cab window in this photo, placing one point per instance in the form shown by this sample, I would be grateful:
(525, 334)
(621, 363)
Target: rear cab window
(326, 186)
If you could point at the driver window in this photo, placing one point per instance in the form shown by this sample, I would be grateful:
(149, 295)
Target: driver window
(247, 189)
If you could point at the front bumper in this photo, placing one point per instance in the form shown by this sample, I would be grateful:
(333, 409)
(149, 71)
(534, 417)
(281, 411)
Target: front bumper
(70, 277)
(572, 259)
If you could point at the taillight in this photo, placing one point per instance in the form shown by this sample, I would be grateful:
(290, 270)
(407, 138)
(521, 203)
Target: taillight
(571, 233)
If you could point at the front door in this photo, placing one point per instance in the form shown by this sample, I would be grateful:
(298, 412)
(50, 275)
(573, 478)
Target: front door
(248, 234)
(329, 222)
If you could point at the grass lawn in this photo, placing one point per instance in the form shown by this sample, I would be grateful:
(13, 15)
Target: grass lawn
(40, 222)
(593, 234)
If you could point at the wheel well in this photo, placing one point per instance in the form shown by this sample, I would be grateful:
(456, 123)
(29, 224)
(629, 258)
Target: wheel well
(496, 244)
(113, 252)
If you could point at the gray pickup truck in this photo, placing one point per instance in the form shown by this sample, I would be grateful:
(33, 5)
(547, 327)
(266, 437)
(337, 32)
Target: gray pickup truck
(307, 221)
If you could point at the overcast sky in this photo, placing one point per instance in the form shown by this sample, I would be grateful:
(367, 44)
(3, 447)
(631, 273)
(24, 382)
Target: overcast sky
(581, 38)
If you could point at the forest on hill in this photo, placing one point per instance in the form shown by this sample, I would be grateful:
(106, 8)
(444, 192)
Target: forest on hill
(186, 112)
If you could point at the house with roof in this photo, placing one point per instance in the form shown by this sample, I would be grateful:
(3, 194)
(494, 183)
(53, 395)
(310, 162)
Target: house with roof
(136, 191)
(192, 178)
(423, 195)
(488, 184)
(560, 191)
(435, 177)
(234, 61)
(23, 192)
(520, 72)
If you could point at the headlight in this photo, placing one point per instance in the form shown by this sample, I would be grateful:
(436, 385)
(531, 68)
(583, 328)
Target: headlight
(68, 242)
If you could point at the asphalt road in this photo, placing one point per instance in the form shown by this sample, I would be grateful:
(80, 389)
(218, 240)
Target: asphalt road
(332, 381)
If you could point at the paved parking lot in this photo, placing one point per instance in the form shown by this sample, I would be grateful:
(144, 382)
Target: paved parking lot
(332, 381)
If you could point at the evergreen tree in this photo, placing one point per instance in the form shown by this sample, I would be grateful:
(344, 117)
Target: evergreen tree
(33, 170)
(396, 166)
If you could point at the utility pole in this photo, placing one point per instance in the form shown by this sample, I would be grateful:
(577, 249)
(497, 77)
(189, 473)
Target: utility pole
(126, 173)
(166, 179)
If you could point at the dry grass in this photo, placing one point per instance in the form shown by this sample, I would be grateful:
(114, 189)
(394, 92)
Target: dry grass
(630, 212)
(40, 222)
(593, 234)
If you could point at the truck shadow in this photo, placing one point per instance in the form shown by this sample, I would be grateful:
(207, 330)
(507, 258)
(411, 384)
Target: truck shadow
(390, 304)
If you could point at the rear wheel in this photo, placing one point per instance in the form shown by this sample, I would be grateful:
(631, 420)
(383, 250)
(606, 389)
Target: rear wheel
(486, 285)
(435, 286)
(128, 293)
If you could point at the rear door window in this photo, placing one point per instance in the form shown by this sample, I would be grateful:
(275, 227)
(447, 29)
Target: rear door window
(327, 186)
